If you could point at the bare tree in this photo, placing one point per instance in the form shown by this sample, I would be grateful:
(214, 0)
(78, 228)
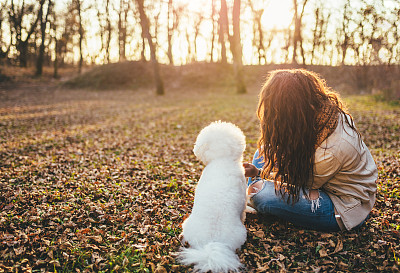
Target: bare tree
(199, 18)
(54, 28)
(105, 30)
(79, 10)
(16, 15)
(372, 33)
(223, 30)
(258, 40)
(297, 36)
(213, 21)
(319, 39)
(344, 33)
(369, 33)
(173, 19)
(156, 27)
(124, 7)
(43, 19)
(234, 41)
(109, 30)
(144, 22)
(170, 29)
(65, 44)
(189, 56)
(236, 48)
(142, 52)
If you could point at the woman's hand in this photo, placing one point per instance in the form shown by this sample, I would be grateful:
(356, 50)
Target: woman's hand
(250, 170)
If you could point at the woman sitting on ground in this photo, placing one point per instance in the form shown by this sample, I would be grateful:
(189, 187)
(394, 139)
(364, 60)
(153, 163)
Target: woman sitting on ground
(311, 167)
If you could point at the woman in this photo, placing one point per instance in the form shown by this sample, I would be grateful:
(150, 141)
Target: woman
(311, 167)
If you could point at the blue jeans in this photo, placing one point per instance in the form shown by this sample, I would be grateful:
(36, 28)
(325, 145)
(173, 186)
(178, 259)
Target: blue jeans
(316, 214)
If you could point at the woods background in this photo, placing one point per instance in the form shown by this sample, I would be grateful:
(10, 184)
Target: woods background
(364, 34)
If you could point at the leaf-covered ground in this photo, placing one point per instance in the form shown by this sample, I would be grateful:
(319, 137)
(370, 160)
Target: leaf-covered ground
(101, 181)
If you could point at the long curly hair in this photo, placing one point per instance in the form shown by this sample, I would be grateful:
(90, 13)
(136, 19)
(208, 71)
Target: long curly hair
(290, 105)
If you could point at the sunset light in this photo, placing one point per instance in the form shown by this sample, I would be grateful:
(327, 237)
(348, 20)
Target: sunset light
(195, 31)
(176, 136)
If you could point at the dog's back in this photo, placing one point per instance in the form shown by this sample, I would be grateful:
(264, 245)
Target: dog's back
(220, 200)
(215, 230)
(219, 203)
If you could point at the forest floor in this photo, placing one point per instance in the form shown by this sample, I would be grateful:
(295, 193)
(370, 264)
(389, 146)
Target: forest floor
(102, 180)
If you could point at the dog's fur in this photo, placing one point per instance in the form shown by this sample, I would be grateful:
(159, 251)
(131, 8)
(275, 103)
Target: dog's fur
(215, 229)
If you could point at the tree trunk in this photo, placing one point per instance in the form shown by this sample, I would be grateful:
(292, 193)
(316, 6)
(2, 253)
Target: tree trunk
(261, 47)
(144, 22)
(316, 34)
(223, 30)
(189, 56)
(121, 30)
(142, 53)
(39, 61)
(56, 44)
(303, 58)
(257, 14)
(169, 31)
(345, 24)
(16, 19)
(213, 31)
(23, 53)
(43, 25)
(296, 30)
(197, 24)
(300, 33)
(79, 10)
(55, 64)
(297, 37)
(109, 30)
(236, 48)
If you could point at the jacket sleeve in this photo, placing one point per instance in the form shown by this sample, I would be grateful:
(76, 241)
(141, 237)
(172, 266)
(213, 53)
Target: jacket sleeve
(325, 167)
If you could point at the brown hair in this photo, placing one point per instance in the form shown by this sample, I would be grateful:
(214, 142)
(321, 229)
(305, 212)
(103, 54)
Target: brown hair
(289, 109)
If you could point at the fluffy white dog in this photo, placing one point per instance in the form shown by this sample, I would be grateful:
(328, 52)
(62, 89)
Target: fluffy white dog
(215, 229)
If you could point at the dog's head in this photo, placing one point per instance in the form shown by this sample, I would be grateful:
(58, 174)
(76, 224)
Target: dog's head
(219, 140)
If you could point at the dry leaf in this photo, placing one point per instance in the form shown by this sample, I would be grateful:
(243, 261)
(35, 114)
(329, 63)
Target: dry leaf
(339, 246)
(322, 252)
(277, 249)
(260, 234)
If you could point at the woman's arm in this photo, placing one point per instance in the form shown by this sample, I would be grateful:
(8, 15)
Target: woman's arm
(325, 167)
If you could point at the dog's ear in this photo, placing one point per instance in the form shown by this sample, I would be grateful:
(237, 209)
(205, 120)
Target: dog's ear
(199, 151)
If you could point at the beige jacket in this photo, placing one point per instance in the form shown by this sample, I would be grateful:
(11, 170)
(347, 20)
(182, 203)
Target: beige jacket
(346, 171)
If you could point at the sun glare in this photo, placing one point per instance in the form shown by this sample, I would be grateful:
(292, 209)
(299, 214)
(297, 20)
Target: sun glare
(277, 15)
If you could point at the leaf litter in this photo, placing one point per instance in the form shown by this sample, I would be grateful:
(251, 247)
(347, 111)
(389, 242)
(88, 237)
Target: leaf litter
(101, 181)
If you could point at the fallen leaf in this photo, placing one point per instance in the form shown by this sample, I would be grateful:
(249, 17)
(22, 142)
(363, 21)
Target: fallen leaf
(260, 234)
(277, 249)
(322, 252)
(339, 246)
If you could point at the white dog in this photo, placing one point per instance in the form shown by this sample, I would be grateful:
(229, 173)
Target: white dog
(215, 229)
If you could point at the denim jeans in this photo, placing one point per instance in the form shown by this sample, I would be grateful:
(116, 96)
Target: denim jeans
(316, 214)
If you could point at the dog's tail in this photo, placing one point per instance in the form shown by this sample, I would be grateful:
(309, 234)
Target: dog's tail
(215, 257)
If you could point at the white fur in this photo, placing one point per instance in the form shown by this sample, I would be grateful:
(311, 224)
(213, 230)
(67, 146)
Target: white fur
(215, 229)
